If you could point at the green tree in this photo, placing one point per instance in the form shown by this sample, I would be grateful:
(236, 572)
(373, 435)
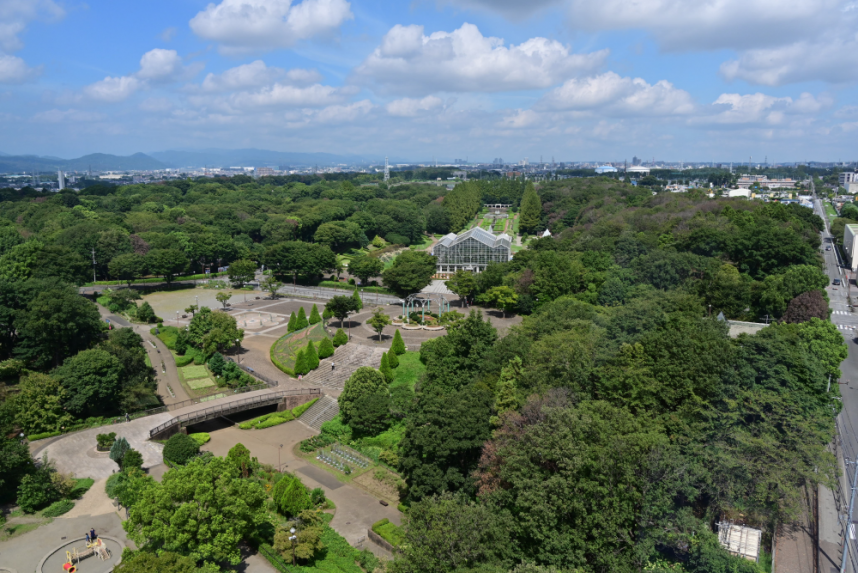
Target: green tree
(36, 490)
(214, 331)
(290, 496)
(462, 283)
(398, 346)
(164, 562)
(506, 394)
(311, 357)
(15, 463)
(118, 450)
(358, 301)
(326, 348)
(92, 380)
(127, 267)
(180, 449)
(444, 435)
(271, 285)
(410, 272)
(132, 460)
(293, 323)
(811, 304)
(301, 322)
(365, 268)
(314, 315)
(530, 213)
(240, 457)
(223, 297)
(392, 359)
(326, 315)
(167, 262)
(241, 271)
(216, 363)
(202, 510)
(56, 323)
(449, 532)
(340, 338)
(341, 306)
(454, 360)
(385, 369)
(371, 414)
(308, 540)
(378, 321)
(363, 382)
(39, 404)
(146, 314)
(501, 297)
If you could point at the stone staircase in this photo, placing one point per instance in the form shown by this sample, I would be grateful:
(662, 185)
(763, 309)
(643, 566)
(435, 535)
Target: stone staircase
(346, 360)
(323, 410)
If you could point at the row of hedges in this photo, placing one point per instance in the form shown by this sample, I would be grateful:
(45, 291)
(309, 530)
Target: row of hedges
(157, 280)
(276, 418)
(347, 286)
(390, 532)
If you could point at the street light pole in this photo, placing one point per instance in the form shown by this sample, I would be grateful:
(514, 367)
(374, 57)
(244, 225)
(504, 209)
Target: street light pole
(293, 539)
(238, 350)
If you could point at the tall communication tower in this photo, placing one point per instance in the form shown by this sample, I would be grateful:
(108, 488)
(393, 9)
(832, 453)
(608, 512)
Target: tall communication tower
(386, 171)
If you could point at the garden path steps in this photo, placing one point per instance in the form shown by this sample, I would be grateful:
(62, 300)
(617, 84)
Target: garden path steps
(326, 408)
(346, 359)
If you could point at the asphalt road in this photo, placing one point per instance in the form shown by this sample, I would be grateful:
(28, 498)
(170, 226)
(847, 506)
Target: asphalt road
(833, 505)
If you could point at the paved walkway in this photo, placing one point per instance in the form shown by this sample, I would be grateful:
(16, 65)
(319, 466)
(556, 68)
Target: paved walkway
(795, 547)
(93, 502)
(356, 510)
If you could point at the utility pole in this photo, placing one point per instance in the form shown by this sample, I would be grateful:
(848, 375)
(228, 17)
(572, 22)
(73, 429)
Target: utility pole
(849, 517)
(93, 265)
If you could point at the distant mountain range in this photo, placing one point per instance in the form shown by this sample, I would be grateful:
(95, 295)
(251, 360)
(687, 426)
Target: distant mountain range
(96, 161)
(178, 159)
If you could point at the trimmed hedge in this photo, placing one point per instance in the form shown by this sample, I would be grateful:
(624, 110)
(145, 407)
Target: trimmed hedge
(391, 533)
(42, 436)
(267, 421)
(200, 437)
(58, 508)
(298, 410)
(81, 486)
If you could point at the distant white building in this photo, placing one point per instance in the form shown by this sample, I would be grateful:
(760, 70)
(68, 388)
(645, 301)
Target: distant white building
(847, 177)
(746, 193)
(61, 180)
(606, 169)
(850, 245)
(547, 233)
(638, 169)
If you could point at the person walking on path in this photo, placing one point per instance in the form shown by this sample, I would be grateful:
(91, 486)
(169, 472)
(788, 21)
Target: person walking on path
(87, 537)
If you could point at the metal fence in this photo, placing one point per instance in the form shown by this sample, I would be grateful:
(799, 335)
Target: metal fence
(192, 401)
(325, 293)
(268, 381)
(229, 407)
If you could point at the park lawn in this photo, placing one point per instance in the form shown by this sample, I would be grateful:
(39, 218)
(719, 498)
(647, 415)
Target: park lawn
(830, 210)
(516, 248)
(191, 372)
(409, 370)
(167, 335)
(515, 225)
(425, 243)
(200, 383)
(285, 350)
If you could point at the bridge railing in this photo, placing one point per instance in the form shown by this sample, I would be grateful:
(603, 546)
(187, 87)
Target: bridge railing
(192, 401)
(238, 405)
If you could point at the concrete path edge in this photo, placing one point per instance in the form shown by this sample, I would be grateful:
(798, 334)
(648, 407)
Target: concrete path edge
(51, 552)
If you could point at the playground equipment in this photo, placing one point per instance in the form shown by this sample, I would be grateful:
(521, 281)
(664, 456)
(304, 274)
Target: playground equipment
(423, 301)
(95, 547)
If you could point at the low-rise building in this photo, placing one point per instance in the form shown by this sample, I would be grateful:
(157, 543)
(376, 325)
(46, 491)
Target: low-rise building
(847, 177)
(850, 245)
(472, 251)
(606, 169)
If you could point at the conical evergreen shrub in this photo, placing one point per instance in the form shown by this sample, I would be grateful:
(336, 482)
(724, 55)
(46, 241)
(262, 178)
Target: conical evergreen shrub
(292, 322)
(392, 360)
(311, 357)
(314, 316)
(385, 369)
(301, 321)
(301, 364)
(326, 348)
(398, 345)
(357, 299)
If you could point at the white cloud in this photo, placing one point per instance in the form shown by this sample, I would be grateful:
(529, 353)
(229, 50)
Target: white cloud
(510, 8)
(257, 74)
(282, 95)
(251, 25)
(113, 90)
(13, 70)
(16, 14)
(156, 66)
(168, 34)
(409, 62)
(344, 113)
(616, 95)
(67, 115)
(520, 118)
(710, 24)
(762, 109)
(408, 107)
(831, 59)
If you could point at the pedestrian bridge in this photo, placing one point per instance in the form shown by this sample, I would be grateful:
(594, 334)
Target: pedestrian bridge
(202, 412)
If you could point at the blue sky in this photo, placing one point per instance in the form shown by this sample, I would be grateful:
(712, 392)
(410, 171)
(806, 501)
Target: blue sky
(570, 79)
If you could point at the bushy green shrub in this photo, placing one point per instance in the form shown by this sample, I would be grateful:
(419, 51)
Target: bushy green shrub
(301, 321)
(367, 560)
(131, 460)
(180, 448)
(317, 497)
(58, 508)
(301, 366)
(316, 442)
(105, 441)
(145, 313)
(42, 436)
(298, 410)
(216, 363)
(340, 338)
(112, 482)
(338, 430)
(314, 316)
(291, 496)
(392, 360)
(184, 360)
(36, 491)
(81, 486)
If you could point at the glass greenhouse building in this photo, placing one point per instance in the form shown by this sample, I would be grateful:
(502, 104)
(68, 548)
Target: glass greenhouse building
(472, 251)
